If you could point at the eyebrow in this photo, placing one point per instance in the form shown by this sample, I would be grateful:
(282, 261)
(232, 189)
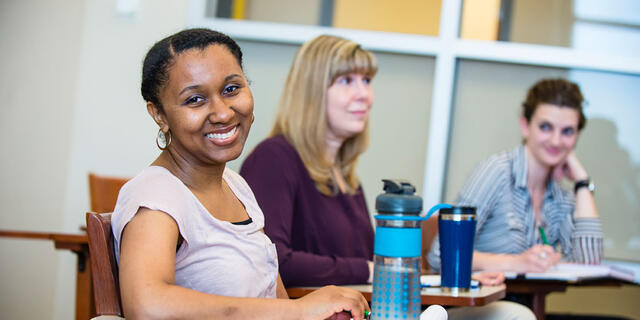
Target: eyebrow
(196, 86)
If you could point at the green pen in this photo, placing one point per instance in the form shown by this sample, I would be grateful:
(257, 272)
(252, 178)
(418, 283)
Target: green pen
(543, 236)
(367, 314)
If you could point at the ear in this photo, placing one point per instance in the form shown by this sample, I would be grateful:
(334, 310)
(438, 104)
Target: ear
(158, 116)
(524, 127)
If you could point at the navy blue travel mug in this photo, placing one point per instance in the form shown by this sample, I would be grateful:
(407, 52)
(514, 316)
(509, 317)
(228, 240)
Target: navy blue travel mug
(457, 229)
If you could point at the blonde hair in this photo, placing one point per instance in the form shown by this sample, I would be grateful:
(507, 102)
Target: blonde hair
(303, 103)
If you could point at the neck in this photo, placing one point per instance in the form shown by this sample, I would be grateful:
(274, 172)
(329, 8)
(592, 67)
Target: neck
(537, 173)
(194, 174)
(332, 146)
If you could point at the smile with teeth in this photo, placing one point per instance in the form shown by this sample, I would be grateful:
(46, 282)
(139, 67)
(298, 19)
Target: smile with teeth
(222, 136)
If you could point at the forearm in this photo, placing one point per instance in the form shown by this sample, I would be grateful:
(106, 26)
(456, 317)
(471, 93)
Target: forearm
(484, 261)
(174, 302)
(585, 205)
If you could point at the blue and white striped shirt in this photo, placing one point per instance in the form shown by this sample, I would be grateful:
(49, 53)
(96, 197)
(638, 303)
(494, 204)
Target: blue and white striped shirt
(505, 218)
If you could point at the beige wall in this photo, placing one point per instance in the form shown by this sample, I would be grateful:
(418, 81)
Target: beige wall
(40, 43)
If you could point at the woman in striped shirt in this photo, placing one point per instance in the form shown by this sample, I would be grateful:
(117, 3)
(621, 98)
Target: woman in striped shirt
(517, 192)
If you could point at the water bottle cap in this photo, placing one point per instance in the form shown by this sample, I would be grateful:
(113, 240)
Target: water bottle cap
(399, 198)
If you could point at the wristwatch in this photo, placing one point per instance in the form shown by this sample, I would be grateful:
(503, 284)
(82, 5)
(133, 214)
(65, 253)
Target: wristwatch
(584, 183)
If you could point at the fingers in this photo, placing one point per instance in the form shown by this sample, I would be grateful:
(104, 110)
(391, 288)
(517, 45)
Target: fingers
(341, 301)
(498, 278)
(489, 278)
(536, 258)
(576, 170)
(542, 257)
(356, 304)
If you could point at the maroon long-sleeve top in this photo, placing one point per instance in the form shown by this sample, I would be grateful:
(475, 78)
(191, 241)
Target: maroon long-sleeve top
(320, 239)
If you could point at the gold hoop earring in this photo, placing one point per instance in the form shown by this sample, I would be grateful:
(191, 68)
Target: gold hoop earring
(163, 140)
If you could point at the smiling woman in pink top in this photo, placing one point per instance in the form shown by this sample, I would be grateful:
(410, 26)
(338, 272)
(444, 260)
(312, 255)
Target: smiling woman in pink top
(188, 231)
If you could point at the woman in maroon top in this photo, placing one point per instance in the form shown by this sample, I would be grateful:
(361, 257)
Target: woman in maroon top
(303, 175)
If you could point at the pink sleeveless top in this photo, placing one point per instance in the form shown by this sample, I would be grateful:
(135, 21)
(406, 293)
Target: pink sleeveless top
(216, 257)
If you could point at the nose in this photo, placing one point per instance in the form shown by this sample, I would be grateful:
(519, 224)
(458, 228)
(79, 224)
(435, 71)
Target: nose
(362, 91)
(556, 138)
(220, 112)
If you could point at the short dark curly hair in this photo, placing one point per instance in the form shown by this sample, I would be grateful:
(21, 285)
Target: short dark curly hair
(155, 68)
(559, 92)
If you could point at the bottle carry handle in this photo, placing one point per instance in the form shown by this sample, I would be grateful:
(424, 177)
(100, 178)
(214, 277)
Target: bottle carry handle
(436, 208)
(415, 218)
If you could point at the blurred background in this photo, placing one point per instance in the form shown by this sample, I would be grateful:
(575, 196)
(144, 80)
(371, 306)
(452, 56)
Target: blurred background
(452, 75)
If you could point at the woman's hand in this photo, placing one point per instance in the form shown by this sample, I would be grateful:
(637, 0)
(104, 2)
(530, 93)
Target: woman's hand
(571, 168)
(333, 302)
(489, 278)
(538, 258)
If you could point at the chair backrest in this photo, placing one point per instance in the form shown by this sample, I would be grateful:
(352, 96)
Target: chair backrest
(103, 192)
(429, 232)
(104, 268)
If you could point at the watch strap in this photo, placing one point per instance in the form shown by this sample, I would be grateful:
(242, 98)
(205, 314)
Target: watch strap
(580, 184)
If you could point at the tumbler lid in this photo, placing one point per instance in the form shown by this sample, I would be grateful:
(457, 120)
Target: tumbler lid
(398, 198)
(458, 210)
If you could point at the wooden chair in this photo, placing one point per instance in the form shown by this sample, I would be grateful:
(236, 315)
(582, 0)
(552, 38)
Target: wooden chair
(103, 266)
(103, 191)
(429, 232)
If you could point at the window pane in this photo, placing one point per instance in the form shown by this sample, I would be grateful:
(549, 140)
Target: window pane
(488, 98)
(413, 16)
(283, 11)
(408, 16)
(592, 25)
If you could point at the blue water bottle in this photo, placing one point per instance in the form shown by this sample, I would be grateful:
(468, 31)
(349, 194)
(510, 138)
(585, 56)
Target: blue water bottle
(397, 249)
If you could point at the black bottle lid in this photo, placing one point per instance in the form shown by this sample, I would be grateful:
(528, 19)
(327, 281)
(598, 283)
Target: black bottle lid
(398, 198)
